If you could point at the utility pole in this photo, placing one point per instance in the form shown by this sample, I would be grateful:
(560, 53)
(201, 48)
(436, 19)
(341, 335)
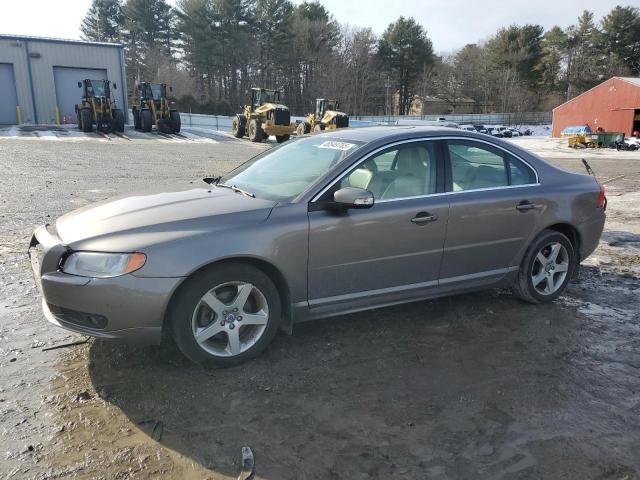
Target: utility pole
(386, 107)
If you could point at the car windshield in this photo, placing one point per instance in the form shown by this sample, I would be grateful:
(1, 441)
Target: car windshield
(97, 86)
(156, 91)
(284, 172)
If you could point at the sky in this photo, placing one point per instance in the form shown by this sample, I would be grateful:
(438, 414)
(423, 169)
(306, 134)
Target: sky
(450, 24)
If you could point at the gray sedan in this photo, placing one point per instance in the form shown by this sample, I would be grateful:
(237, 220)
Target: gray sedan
(319, 226)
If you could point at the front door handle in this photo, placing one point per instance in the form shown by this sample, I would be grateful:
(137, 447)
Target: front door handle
(424, 217)
(525, 205)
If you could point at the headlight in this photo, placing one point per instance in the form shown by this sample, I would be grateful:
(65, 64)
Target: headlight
(102, 265)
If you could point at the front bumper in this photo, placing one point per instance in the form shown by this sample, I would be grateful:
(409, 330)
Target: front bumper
(134, 307)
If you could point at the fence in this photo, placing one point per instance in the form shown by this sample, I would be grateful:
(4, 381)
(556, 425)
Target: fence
(220, 122)
(517, 118)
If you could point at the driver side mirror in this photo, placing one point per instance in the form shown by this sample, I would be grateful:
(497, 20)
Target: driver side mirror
(171, 89)
(115, 87)
(79, 84)
(353, 197)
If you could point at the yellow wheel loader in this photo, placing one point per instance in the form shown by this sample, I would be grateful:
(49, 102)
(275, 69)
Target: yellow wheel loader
(97, 108)
(265, 116)
(154, 108)
(326, 116)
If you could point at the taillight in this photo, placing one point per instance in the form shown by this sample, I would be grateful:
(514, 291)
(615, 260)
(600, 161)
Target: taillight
(602, 199)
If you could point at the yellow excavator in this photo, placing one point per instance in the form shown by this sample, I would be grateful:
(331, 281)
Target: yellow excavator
(265, 116)
(326, 117)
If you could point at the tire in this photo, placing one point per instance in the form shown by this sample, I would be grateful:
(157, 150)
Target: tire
(87, 120)
(79, 118)
(238, 126)
(176, 122)
(539, 279)
(300, 129)
(146, 121)
(118, 120)
(256, 134)
(189, 315)
(282, 138)
(136, 119)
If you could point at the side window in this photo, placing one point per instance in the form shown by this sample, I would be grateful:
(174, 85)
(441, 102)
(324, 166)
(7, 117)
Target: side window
(521, 174)
(407, 170)
(475, 165)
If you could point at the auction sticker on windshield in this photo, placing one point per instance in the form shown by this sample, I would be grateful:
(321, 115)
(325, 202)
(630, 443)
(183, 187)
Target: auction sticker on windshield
(337, 145)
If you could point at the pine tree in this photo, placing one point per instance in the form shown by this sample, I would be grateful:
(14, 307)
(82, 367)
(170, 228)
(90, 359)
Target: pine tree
(103, 21)
(405, 50)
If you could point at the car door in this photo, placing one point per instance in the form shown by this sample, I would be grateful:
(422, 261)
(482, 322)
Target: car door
(390, 251)
(496, 205)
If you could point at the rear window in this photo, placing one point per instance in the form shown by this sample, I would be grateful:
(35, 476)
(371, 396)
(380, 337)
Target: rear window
(477, 165)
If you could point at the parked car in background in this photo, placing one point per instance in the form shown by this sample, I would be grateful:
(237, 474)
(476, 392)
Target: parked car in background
(494, 132)
(480, 128)
(319, 226)
(468, 128)
(515, 132)
(506, 132)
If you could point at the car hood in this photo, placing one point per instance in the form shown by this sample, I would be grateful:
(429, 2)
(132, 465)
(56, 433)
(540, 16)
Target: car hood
(130, 222)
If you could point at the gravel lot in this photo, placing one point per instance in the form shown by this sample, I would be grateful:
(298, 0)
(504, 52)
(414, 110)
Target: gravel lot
(472, 386)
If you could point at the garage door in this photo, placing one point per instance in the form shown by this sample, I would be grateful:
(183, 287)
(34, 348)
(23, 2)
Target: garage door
(67, 92)
(8, 97)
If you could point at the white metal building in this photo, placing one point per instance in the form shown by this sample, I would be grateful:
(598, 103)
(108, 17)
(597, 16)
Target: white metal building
(39, 74)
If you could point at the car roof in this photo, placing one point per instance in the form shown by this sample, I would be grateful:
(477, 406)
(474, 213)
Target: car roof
(387, 132)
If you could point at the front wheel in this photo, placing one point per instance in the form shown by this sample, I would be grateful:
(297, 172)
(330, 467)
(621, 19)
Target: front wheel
(238, 126)
(225, 315)
(118, 120)
(136, 119)
(546, 268)
(176, 123)
(146, 120)
(256, 134)
(86, 120)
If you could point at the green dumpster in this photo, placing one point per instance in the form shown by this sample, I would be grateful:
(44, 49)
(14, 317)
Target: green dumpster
(606, 139)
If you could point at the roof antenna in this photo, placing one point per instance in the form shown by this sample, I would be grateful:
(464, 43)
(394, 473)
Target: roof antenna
(588, 168)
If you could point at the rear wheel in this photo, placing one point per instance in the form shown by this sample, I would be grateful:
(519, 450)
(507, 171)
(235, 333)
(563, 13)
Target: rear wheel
(546, 268)
(256, 133)
(176, 122)
(238, 126)
(118, 120)
(282, 138)
(146, 120)
(86, 120)
(225, 315)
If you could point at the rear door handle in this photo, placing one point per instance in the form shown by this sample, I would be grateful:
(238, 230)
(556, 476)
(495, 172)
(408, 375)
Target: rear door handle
(424, 217)
(525, 205)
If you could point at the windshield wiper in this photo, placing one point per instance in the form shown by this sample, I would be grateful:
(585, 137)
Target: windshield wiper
(236, 189)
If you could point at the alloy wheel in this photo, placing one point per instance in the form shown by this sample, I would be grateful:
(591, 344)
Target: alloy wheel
(230, 318)
(550, 268)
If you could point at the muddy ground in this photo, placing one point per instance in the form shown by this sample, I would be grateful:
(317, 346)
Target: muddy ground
(472, 386)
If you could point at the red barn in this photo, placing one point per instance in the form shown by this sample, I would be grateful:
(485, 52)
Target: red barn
(613, 105)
